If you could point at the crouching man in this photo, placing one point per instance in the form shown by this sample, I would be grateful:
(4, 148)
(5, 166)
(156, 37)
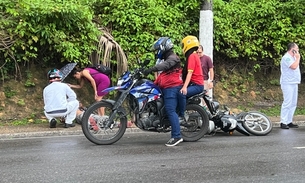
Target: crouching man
(59, 100)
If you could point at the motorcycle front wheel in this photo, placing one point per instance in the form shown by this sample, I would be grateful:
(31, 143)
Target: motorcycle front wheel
(197, 123)
(256, 123)
(95, 128)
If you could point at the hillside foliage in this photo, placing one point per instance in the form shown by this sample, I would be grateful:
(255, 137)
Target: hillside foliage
(52, 32)
(256, 32)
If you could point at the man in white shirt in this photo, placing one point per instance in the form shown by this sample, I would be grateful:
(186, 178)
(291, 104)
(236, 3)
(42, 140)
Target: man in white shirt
(59, 100)
(290, 78)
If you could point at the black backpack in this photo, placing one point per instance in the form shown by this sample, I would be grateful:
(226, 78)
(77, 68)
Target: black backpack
(102, 69)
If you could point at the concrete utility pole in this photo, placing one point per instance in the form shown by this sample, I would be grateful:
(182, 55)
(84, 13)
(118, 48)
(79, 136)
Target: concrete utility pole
(206, 28)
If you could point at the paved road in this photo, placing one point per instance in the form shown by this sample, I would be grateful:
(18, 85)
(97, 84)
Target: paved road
(143, 157)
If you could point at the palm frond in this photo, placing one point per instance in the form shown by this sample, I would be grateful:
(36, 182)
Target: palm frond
(108, 49)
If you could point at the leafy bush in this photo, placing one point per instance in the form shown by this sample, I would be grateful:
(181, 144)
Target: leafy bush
(137, 24)
(47, 31)
(257, 31)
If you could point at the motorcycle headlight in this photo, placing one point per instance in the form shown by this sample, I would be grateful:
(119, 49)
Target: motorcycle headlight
(120, 82)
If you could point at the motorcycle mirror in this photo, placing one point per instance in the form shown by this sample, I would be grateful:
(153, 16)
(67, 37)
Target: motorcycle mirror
(139, 61)
(146, 61)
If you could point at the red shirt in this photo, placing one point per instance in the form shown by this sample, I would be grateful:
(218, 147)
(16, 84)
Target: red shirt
(169, 79)
(194, 65)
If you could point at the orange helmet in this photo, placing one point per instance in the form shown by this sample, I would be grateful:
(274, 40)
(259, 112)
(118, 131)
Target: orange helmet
(189, 42)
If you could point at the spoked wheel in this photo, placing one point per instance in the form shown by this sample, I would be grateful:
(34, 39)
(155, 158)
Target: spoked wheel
(257, 123)
(98, 129)
(197, 123)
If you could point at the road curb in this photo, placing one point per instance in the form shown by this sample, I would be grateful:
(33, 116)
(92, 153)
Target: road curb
(300, 123)
(53, 133)
(79, 132)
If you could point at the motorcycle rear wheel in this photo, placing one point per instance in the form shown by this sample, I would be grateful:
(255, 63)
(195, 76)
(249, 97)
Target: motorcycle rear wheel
(257, 123)
(197, 123)
(94, 126)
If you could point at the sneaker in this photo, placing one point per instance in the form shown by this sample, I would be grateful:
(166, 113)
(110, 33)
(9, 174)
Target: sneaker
(173, 141)
(93, 124)
(69, 125)
(284, 126)
(53, 123)
(291, 125)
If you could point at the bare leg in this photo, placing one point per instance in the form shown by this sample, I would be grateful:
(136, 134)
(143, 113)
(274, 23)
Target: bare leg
(101, 110)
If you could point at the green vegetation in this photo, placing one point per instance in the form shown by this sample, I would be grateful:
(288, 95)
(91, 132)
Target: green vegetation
(257, 31)
(21, 102)
(272, 111)
(32, 119)
(26, 121)
(8, 92)
(51, 31)
(46, 31)
(276, 110)
(137, 24)
(29, 80)
(275, 82)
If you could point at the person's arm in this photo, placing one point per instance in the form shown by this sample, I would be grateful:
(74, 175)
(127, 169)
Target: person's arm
(166, 64)
(71, 95)
(211, 77)
(190, 70)
(186, 82)
(163, 66)
(87, 75)
(80, 85)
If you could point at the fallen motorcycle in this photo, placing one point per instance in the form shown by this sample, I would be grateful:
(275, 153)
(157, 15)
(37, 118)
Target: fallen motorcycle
(253, 122)
(140, 101)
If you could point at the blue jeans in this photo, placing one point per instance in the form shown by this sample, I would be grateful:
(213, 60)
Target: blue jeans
(170, 103)
(191, 90)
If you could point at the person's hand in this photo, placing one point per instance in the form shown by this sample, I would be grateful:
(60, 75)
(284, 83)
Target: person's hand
(95, 95)
(297, 55)
(211, 84)
(183, 91)
(147, 71)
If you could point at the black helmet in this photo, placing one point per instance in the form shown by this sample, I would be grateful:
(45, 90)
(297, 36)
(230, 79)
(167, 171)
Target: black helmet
(54, 73)
(162, 45)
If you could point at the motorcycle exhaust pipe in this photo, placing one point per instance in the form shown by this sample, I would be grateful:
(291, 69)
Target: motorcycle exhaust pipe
(211, 127)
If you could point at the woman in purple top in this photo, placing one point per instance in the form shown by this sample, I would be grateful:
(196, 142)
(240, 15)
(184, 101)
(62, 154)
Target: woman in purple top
(99, 81)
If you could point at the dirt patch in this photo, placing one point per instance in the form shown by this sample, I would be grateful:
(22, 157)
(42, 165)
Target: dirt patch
(21, 101)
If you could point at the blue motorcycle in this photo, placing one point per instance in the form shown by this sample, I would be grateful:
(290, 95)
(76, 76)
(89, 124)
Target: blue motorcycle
(139, 101)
